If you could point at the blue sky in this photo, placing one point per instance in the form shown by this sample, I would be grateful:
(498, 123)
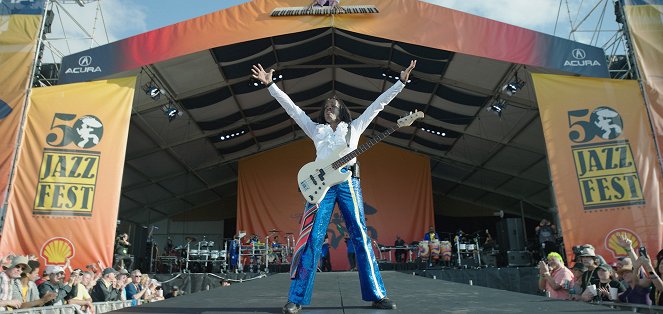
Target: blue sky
(125, 18)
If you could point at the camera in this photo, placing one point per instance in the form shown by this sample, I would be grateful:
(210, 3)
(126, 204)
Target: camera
(643, 251)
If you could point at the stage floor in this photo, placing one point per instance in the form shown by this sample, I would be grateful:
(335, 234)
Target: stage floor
(338, 292)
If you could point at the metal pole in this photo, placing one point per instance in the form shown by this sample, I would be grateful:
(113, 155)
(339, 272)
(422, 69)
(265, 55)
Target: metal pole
(522, 217)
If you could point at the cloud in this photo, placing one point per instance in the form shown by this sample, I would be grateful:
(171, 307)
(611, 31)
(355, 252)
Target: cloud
(73, 26)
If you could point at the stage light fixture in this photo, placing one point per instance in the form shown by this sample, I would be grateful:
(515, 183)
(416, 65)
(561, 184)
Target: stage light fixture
(153, 91)
(171, 111)
(231, 135)
(514, 86)
(497, 107)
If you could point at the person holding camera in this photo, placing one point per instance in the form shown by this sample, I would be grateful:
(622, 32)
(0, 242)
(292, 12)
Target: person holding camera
(653, 273)
(122, 256)
(554, 278)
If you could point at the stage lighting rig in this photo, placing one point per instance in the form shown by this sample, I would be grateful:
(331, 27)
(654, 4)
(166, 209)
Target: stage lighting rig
(153, 91)
(171, 111)
(514, 86)
(497, 107)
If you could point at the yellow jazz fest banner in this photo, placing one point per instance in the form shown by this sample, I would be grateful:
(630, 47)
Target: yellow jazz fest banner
(602, 160)
(19, 30)
(66, 192)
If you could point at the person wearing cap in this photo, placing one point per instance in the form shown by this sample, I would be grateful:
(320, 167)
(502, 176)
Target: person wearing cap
(18, 265)
(26, 291)
(122, 282)
(591, 276)
(577, 270)
(653, 273)
(82, 298)
(105, 289)
(63, 291)
(603, 286)
(554, 277)
(637, 289)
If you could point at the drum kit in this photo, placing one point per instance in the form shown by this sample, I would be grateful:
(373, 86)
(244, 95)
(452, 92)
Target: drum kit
(194, 257)
(256, 254)
(436, 252)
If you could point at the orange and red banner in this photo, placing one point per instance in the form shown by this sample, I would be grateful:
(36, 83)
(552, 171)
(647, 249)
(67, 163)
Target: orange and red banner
(66, 190)
(19, 31)
(646, 32)
(396, 185)
(603, 162)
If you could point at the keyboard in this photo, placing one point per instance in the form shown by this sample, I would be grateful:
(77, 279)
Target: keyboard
(349, 9)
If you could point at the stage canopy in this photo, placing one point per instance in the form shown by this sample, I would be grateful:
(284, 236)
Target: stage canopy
(189, 164)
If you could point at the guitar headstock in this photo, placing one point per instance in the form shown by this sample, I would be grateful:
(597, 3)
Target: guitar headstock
(409, 119)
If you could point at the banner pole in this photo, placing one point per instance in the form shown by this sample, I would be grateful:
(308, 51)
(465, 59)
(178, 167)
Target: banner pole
(24, 116)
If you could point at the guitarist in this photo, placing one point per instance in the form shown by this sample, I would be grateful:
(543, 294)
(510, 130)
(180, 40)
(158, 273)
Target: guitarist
(333, 130)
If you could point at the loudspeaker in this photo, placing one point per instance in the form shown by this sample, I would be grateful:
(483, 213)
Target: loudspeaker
(510, 235)
(518, 258)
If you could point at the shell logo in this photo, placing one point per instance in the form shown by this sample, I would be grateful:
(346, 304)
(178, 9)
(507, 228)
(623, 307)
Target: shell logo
(56, 251)
(611, 241)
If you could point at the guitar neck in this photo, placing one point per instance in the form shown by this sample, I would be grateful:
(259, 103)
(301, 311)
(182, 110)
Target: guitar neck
(361, 149)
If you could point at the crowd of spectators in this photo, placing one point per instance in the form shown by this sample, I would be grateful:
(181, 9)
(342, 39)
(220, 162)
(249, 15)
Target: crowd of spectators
(23, 286)
(634, 278)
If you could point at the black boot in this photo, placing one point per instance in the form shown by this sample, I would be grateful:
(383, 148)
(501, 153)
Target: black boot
(384, 304)
(291, 308)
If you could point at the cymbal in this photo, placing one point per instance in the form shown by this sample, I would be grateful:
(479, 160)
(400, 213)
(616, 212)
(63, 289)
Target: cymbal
(190, 239)
(275, 230)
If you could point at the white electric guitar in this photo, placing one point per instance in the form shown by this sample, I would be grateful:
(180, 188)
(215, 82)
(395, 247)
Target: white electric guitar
(315, 178)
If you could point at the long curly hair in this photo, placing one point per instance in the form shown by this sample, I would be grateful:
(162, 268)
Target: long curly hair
(344, 112)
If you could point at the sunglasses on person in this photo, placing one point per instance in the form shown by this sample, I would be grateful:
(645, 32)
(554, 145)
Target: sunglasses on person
(20, 266)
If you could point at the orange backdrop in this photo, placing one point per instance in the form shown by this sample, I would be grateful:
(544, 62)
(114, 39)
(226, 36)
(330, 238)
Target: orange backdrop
(396, 187)
(17, 51)
(66, 192)
(603, 162)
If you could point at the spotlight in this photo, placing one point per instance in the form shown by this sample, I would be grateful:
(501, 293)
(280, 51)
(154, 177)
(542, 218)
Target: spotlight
(153, 91)
(514, 86)
(497, 107)
(171, 111)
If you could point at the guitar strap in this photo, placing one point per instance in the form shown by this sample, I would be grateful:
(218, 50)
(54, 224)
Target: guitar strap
(348, 135)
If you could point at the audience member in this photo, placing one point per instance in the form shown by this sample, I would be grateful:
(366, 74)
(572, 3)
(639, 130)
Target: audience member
(26, 291)
(63, 291)
(637, 290)
(174, 291)
(122, 282)
(105, 289)
(574, 291)
(591, 276)
(134, 290)
(18, 265)
(83, 300)
(602, 288)
(554, 277)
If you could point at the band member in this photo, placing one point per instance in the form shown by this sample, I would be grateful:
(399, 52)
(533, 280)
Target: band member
(122, 251)
(334, 130)
(431, 234)
(400, 253)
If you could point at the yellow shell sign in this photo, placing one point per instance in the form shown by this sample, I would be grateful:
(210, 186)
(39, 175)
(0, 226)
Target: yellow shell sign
(57, 251)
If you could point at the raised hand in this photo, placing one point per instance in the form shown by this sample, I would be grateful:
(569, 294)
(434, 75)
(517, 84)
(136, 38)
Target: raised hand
(405, 74)
(624, 242)
(261, 75)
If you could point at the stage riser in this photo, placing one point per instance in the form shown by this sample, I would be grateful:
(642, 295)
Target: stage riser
(517, 279)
